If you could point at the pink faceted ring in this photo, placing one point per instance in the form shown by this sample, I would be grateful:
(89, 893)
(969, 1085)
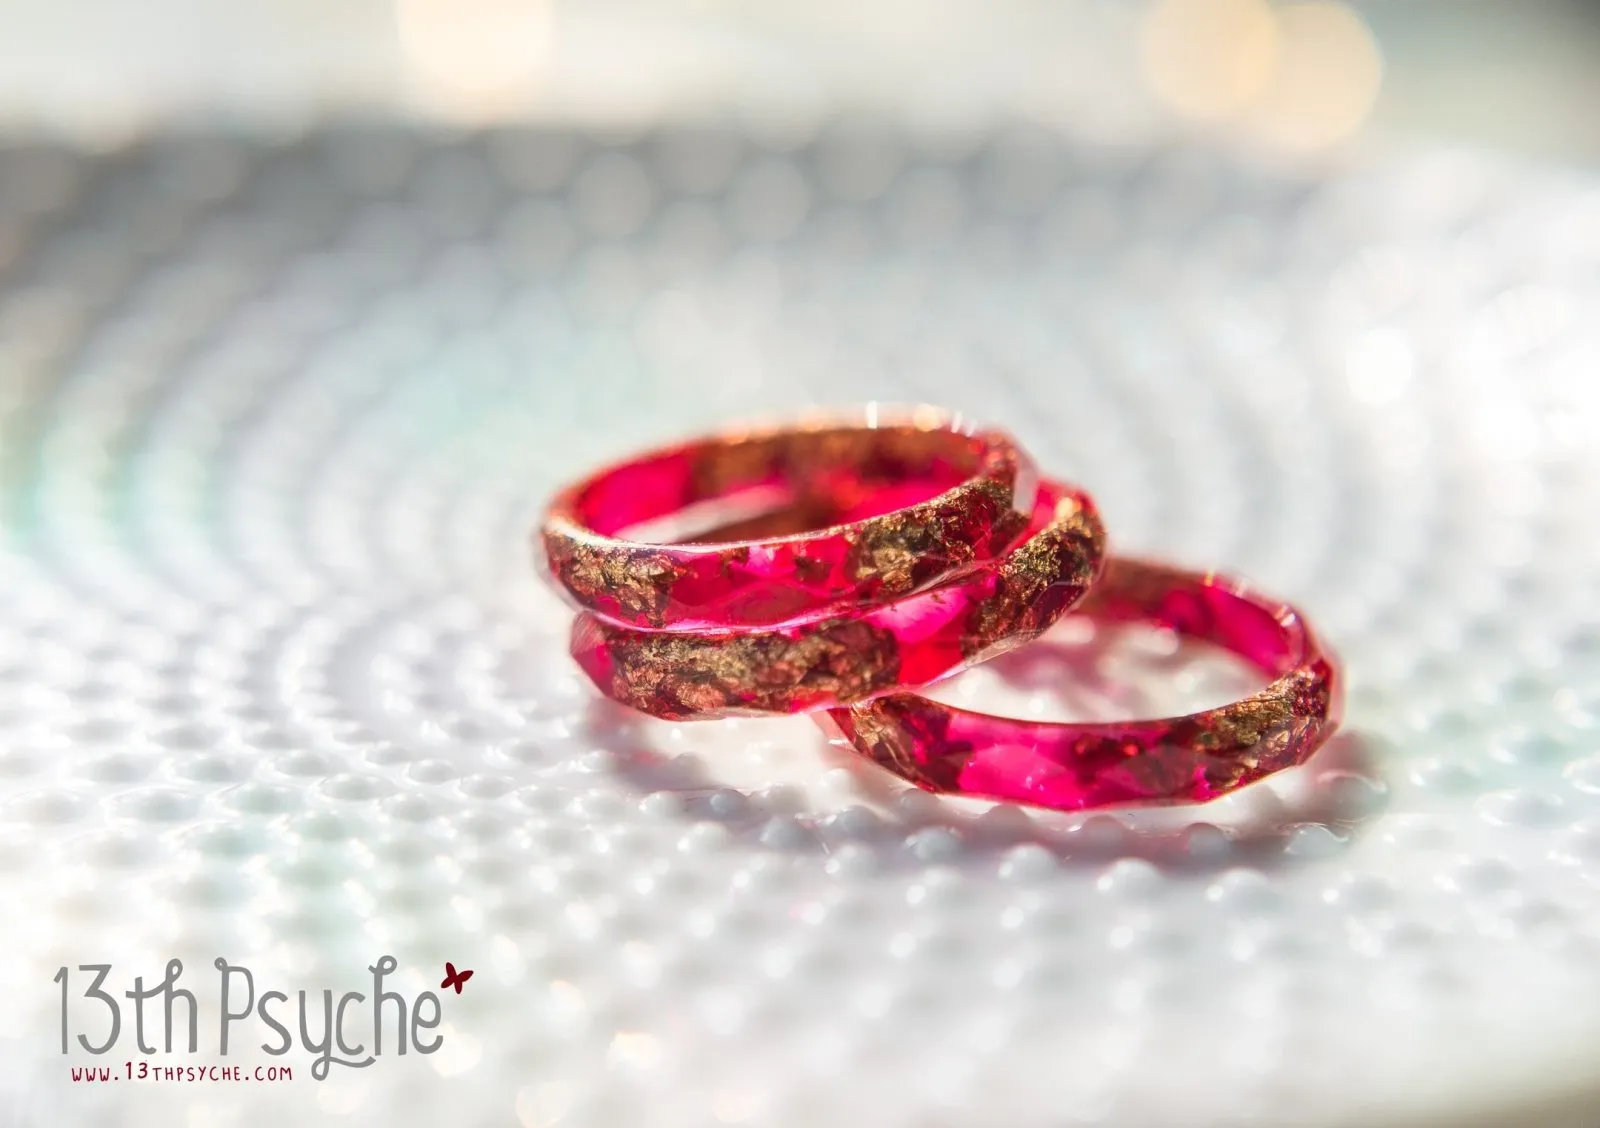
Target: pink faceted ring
(691, 675)
(1075, 767)
(914, 501)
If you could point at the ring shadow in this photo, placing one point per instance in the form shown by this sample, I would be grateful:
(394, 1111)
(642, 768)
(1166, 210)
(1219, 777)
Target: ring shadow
(1270, 824)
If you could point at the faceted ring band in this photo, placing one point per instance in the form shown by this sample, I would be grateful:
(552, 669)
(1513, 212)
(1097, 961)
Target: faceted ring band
(841, 659)
(920, 500)
(1082, 766)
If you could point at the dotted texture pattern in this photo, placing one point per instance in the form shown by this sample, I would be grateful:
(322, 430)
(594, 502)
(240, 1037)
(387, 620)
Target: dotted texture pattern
(276, 683)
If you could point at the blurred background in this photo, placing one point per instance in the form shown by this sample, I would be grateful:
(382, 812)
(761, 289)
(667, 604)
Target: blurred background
(306, 306)
(1296, 76)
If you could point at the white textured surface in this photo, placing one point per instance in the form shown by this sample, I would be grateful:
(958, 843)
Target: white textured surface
(276, 684)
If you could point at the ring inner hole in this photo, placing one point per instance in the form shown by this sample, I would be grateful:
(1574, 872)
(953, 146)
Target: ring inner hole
(1084, 669)
(776, 485)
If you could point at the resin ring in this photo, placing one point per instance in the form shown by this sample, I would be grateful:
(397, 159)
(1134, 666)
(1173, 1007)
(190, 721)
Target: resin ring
(846, 658)
(922, 499)
(1074, 767)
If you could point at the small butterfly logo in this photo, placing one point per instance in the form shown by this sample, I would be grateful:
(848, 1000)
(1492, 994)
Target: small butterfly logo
(454, 978)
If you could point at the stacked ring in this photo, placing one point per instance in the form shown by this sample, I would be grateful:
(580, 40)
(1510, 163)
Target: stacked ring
(846, 658)
(1081, 766)
(839, 565)
(894, 540)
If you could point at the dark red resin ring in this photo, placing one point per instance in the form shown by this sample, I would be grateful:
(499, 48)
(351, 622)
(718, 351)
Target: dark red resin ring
(1074, 767)
(915, 502)
(692, 675)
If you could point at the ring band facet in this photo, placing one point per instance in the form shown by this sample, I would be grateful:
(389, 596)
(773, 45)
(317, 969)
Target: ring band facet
(682, 675)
